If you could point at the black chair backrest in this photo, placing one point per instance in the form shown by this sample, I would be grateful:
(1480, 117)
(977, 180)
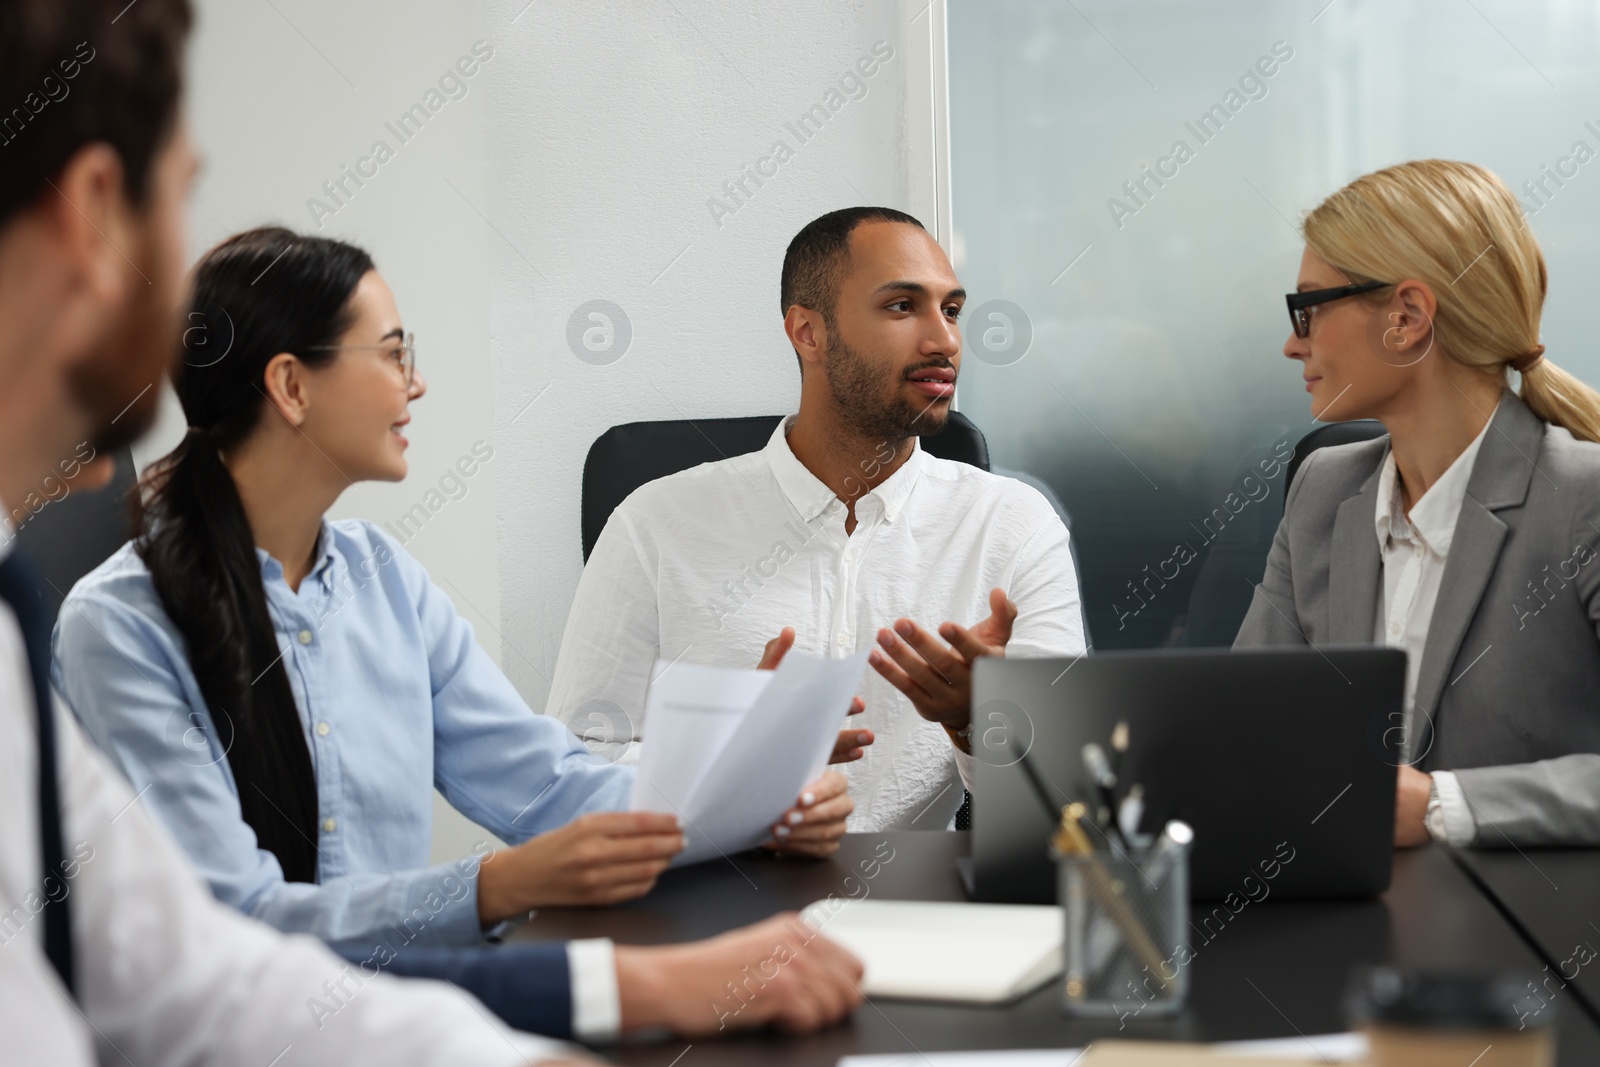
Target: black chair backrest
(71, 536)
(626, 457)
(1334, 433)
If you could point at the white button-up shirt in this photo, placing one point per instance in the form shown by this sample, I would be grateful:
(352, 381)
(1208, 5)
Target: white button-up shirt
(707, 565)
(166, 974)
(1414, 552)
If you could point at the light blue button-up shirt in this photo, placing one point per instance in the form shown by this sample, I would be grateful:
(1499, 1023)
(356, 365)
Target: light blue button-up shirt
(395, 696)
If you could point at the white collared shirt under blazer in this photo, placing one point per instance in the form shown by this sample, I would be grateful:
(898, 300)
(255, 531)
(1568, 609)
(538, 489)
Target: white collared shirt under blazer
(1506, 689)
(707, 565)
(1415, 549)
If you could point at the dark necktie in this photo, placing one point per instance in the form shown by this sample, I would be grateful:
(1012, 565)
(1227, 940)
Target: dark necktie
(21, 588)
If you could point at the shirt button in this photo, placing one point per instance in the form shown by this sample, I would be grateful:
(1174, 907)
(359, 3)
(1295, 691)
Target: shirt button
(305, 637)
(329, 825)
(1394, 629)
(322, 729)
(842, 640)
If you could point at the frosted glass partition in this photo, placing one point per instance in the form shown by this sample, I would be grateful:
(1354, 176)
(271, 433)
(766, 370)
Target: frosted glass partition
(1126, 177)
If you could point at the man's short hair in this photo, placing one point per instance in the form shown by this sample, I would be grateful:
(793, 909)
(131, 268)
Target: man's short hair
(816, 259)
(76, 72)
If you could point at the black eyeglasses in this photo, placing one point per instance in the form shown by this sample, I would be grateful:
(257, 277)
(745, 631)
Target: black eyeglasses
(1300, 304)
(403, 352)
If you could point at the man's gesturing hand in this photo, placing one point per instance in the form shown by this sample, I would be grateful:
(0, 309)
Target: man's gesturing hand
(787, 974)
(852, 743)
(938, 676)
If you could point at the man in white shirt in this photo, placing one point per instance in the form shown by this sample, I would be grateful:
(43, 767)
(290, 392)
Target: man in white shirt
(110, 947)
(844, 530)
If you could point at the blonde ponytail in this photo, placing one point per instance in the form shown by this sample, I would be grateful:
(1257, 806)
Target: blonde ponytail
(1457, 227)
(1557, 396)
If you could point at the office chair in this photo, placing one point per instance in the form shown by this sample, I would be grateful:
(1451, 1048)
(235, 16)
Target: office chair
(1334, 433)
(626, 457)
(73, 535)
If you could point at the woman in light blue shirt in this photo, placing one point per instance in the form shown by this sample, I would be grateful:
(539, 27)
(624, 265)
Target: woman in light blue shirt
(286, 691)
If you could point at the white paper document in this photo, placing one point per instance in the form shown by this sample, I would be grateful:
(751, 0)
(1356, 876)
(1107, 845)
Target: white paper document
(728, 750)
(1321, 1049)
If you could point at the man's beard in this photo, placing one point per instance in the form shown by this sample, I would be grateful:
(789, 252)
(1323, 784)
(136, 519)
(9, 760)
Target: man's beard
(116, 384)
(857, 391)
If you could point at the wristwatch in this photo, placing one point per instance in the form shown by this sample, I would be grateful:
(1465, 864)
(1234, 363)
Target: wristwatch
(961, 738)
(1433, 819)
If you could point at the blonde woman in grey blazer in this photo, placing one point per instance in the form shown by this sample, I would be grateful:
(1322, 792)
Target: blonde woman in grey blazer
(1468, 535)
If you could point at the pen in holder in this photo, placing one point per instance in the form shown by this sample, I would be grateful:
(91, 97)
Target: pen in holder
(1126, 912)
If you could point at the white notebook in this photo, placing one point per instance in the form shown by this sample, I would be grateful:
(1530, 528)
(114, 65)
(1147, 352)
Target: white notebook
(966, 953)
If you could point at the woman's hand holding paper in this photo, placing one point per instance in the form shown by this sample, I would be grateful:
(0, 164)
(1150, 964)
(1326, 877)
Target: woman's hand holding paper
(814, 825)
(600, 858)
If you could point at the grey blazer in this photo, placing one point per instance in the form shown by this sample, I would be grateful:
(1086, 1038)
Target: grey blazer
(1508, 692)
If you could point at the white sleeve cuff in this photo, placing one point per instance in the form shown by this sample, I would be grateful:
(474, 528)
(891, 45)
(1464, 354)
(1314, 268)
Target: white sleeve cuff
(596, 1001)
(963, 767)
(1459, 826)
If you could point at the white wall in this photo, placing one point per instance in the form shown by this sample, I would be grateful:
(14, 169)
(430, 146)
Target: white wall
(613, 126)
(281, 96)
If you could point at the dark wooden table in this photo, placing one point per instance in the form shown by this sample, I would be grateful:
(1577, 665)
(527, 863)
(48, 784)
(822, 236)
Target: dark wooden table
(1277, 969)
(1552, 897)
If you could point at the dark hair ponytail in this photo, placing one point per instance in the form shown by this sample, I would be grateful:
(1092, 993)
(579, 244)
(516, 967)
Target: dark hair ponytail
(255, 295)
